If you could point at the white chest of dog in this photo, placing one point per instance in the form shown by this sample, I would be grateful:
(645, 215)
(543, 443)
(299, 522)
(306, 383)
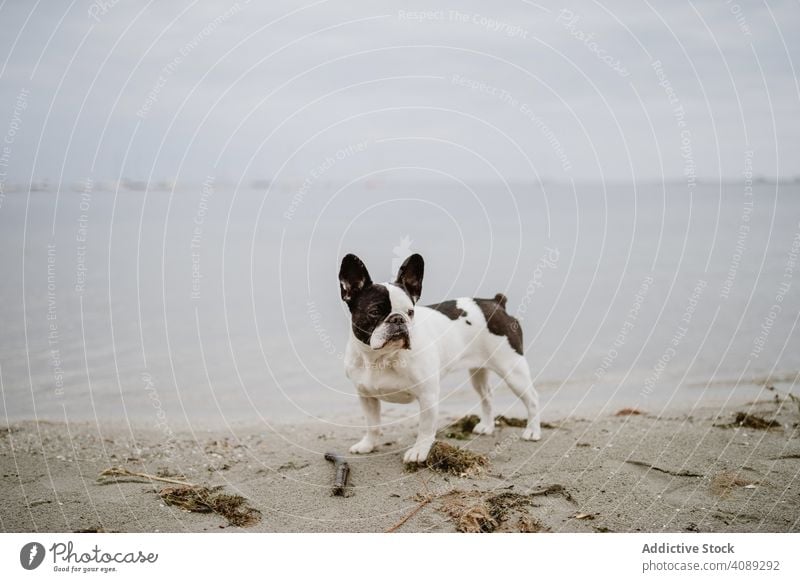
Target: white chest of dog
(399, 351)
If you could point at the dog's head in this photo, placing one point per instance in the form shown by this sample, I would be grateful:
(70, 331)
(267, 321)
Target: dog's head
(382, 314)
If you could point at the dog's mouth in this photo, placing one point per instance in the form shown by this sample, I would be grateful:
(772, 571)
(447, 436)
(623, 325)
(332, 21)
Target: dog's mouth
(396, 336)
(401, 342)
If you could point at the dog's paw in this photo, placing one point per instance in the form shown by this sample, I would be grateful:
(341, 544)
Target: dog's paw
(418, 453)
(483, 428)
(532, 434)
(363, 447)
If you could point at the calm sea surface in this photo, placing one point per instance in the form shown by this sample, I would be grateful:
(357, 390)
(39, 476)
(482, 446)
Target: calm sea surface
(211, 304)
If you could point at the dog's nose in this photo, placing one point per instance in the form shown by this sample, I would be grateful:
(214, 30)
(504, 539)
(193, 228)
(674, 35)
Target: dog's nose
(395, 318)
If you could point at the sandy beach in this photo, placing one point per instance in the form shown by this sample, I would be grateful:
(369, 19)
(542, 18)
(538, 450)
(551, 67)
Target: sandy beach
(703, 471)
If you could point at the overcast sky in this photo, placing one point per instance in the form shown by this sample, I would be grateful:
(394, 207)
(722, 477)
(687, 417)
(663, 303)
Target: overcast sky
(472, 90)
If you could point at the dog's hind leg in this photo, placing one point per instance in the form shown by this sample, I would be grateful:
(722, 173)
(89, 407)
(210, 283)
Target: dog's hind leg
(480, 381)
(519, 380)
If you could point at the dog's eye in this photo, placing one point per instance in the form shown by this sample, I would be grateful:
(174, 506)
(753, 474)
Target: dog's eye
(374, 313)
(411, 313)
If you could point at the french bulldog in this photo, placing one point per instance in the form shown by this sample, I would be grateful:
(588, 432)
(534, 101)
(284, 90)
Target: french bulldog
(399, 351)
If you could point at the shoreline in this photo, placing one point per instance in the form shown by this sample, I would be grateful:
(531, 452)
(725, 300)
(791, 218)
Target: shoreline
(457, 399)
(678, 471)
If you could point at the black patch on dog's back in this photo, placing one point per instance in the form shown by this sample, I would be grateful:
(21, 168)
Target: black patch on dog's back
(449, 308)
(370, 307)
(500, 322)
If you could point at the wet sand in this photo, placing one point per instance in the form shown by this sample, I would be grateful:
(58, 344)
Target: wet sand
(683, 472)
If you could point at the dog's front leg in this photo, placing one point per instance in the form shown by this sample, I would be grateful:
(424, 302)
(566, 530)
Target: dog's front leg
(372, 410)
(428, 413)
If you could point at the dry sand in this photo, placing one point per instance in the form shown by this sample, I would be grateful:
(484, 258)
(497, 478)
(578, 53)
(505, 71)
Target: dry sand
(613, 473)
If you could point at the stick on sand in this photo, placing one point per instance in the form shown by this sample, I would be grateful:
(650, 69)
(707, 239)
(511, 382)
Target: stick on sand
(342, 471)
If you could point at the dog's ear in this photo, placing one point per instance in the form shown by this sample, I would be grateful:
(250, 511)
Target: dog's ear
(409, 277)
(353, 277)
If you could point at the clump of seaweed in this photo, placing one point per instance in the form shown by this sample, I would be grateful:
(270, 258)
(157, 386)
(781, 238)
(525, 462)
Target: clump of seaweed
(197, 498)
(444, 458)
(506, 421)
(473, 512)
(751, 421)
(486, 511)
(461, 429)
(501, 420)
(469, 511)
(503, 503)
(203, 499)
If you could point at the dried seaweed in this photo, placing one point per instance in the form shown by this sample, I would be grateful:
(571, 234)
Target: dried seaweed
(506, 421)
(751, 421)
(461, 429)
(444, 458)
(477, 512)
(203, 499)
(197, 498)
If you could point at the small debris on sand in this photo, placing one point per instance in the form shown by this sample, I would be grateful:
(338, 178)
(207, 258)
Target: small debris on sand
(554, 489)
(203, 499)
(527, 524)
(723, 484)
(787, 456)
(794, 399)
(629, 412)
(444, 458)
(584, 516)
(115, 474)
(751, 421)
(682, 473)
(293, 466)
(479, 512)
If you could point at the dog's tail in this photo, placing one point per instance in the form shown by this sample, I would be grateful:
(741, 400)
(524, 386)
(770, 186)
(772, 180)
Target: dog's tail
(501, 300)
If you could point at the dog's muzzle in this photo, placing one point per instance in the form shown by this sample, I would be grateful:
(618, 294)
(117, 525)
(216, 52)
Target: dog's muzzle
(395, 332)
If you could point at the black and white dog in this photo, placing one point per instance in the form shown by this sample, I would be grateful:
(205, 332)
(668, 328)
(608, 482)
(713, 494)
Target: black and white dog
(398, 351)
